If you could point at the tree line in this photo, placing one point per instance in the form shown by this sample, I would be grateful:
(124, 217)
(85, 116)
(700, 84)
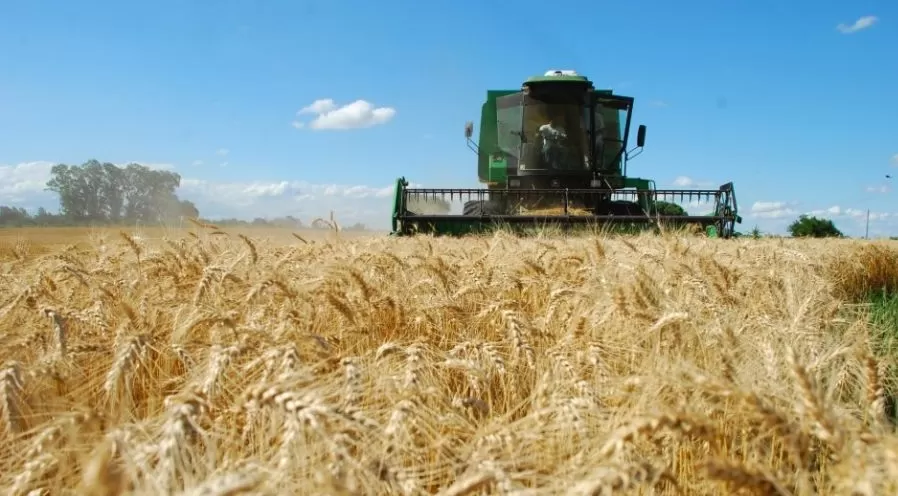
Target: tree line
(105, 194)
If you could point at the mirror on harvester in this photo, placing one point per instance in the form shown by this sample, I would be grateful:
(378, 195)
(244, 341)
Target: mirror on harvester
(469, 129)
(640, 136)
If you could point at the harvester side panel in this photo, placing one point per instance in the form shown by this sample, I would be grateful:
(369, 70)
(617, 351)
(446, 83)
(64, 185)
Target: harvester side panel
(614, 134)
(488, 141)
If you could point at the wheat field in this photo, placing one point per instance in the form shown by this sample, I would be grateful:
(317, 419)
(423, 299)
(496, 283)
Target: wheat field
(217, 363)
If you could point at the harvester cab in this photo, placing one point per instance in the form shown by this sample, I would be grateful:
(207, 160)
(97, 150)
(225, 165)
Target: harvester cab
(555, 152)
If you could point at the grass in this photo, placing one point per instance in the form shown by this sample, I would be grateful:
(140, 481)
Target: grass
(884, 319)
(217, 361)
(868, 275)
(884, 316)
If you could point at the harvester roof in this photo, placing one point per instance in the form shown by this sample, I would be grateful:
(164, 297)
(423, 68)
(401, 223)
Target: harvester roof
(555, 75)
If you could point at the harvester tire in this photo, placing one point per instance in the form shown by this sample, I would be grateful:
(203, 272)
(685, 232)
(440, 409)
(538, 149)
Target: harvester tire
(623, 207)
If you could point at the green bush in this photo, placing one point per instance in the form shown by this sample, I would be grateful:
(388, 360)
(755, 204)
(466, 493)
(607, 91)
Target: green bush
(814, 228)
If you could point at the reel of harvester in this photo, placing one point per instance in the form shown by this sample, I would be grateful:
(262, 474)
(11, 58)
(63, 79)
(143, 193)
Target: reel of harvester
(459, 211)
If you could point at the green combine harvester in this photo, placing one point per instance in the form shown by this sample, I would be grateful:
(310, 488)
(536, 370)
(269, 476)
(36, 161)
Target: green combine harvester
(554, 153)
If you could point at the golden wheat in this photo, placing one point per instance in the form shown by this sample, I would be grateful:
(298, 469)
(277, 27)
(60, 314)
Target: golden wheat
(214, 364)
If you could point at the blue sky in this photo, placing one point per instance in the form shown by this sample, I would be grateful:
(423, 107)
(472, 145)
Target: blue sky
(782, 98)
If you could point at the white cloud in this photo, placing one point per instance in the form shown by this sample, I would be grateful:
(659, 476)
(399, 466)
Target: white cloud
(860, 24)
(159, 166)
(222, 152)
(853, 213)
(895, 160)
(197, 163)
(356, 115)
(878, 189)
(689, 182)
(22, 185)
(773, 210)
(683, 181)
(350, 203)
(834, 210)
(760, 206)
(659, 103)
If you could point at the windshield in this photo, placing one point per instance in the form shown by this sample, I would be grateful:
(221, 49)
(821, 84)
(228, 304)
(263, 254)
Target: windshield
(556, 134)
(509, 116)
(540, 134)
(610, 122)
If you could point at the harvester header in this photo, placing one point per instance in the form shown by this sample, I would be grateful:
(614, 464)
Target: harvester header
(554, 152)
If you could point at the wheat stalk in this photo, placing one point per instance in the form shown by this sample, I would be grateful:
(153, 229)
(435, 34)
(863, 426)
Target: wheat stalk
(207, 363)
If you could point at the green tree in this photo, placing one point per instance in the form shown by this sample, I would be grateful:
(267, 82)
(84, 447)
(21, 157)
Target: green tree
(668, 208)
(814, 227)
(103, 192)
(13, 216)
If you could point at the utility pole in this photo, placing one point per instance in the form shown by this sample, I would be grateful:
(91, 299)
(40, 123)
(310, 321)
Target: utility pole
(867, 230)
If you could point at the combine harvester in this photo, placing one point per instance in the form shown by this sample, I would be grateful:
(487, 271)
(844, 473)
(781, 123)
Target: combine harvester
(554, 154)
